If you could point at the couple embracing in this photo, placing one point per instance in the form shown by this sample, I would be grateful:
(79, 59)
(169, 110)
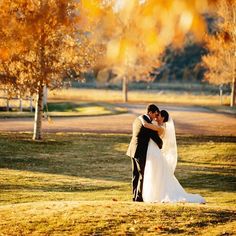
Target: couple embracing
(153, 153)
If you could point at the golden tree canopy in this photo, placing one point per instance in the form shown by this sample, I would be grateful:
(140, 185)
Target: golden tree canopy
(49, 39)
(221, 60)
(137, 31)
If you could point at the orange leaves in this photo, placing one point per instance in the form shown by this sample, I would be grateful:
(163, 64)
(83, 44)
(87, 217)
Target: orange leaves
(126, 10)
(91, 13)
(4, 54)
(49, 38)
(153, 44)
(198, 27)
(221, 59)
(91, 8)
(144, 28)
(150, 22)
(135, 32)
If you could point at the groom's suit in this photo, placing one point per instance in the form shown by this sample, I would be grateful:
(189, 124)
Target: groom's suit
(138, 150)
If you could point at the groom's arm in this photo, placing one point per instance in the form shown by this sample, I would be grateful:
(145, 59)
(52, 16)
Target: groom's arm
(144, 119)
(151, 126)
(154, 136)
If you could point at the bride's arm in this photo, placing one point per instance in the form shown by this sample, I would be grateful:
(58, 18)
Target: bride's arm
(151, 126)
(159, 129)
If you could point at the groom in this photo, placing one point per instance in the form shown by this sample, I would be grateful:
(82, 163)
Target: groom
(138, 149)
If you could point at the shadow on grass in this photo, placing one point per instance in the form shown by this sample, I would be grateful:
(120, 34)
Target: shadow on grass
(162, 221)
(184, 139)
(97, 157)
(73, 187)
(63, 106)
(213, 218)
(208, 168)
(211, 181)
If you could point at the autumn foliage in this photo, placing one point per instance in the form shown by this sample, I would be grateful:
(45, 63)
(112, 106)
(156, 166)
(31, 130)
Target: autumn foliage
(42, 40)
(49, 40)
(221, 60)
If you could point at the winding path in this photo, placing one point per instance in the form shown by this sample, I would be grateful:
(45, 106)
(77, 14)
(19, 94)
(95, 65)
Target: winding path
(188, 120)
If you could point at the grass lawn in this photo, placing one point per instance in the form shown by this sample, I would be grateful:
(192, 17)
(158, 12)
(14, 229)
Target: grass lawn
(69, 109)
(138, 96)
(80, 184)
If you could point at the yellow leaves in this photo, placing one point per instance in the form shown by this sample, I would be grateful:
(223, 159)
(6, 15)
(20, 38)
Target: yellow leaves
(147, 22)
(121, 51)
(113, 49)
(153, 44)
(221, 59)
(186, 20)
(91, 7)
(145, 28)
(126, 10)
(128, 52)
(155, 9)
(134, 31)
(198, 27)
(48, 40)
(201, 6)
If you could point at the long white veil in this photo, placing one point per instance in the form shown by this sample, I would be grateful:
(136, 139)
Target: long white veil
(169, 149)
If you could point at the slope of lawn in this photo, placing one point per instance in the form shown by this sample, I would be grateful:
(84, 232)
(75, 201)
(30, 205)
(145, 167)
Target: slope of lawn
(80, 184)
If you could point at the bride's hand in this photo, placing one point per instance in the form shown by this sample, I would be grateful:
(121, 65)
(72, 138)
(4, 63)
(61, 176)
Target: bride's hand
(158, 122)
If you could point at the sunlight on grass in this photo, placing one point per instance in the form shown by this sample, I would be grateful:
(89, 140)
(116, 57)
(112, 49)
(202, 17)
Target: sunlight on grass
(114, 218)
(80, 183)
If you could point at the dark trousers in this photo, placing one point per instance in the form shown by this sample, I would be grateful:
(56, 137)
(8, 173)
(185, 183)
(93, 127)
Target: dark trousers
(137, 180)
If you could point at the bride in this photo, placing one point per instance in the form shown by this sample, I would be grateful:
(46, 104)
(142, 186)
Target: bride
(160, 183)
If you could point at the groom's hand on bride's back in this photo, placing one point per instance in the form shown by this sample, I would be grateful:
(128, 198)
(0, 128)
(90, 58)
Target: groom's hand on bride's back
(155, 137)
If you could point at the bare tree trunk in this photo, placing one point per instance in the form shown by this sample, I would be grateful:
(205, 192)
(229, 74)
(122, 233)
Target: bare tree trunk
(125, 88)
(7, 104)
(45, 95)
(221, 94)
(38, 115)
(233, 93)
(20, 105)
(39, 98)
(7, 98)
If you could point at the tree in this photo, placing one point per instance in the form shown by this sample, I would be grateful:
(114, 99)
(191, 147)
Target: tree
(221, 60)
(9, 41)
(185, 63)
(138, 32)
(52, 40)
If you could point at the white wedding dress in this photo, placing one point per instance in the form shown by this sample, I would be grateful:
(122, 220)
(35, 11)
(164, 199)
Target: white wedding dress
(160, 183)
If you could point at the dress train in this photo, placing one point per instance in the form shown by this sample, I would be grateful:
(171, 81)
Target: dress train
(160, 184)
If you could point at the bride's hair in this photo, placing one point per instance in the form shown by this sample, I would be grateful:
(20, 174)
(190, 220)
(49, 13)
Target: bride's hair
(165, 114)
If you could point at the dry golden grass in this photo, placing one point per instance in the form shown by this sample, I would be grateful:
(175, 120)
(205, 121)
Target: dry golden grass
(137, 96)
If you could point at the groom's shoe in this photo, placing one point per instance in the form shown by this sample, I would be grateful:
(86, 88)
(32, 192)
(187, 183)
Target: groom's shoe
(138, 199)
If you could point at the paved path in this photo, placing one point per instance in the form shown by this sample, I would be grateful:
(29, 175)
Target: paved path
(188, 120)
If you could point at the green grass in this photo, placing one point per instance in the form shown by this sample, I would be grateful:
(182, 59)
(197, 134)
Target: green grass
(68, 109)
(80, 184)
(83, 109)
